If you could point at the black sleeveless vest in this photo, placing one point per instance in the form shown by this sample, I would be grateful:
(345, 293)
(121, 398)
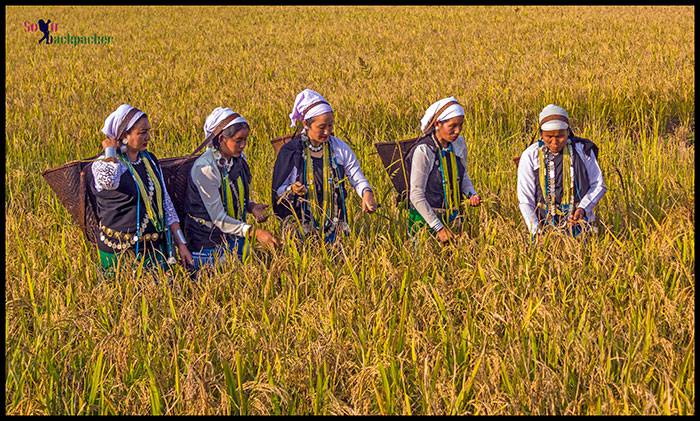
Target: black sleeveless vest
(116, 209)
(200, 236)
(433, 188)
(581, 181)
(294, 153)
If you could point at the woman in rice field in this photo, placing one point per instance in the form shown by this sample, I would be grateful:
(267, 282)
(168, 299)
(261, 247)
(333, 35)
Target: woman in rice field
(308, 191)
(133, 204)
(217, 200)
(559, 180)
(437, 164)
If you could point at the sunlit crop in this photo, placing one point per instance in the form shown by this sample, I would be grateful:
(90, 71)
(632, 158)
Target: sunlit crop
(382, 323)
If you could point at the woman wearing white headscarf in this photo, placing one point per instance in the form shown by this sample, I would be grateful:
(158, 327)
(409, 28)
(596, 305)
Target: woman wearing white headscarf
(437, 164)
(307, 186)
(559, 180)
(133, 204)
(217, 200)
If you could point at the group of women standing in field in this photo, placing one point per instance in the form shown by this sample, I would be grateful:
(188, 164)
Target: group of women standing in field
(559, 184)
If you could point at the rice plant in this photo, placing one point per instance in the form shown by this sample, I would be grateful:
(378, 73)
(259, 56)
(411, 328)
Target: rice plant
(381, 324)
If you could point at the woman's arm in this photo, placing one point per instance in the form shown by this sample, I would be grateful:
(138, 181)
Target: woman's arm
(461, 152)
(348, 160)
(170, 212)
(207, 182)
(526, 187)
(597, 184)
(107, 174)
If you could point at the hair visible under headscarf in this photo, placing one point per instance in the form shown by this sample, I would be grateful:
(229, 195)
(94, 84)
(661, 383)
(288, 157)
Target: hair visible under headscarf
(308, 104)
(114, 126)
(554, 117)
(454, 110)
(218, 115)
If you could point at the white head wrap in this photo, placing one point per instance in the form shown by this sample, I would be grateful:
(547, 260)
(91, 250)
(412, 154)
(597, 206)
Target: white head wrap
(454, 110)
(557, 124)
(303, 101)
(114, 120)
(217, 116)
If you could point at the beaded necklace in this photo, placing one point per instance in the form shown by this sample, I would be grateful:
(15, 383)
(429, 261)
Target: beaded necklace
(154, 185)
(320, 211)
(450, 189)
(156, 219)
(548, 182)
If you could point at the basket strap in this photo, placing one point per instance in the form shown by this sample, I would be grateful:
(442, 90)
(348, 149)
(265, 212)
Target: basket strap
(280, 139)
(303, 114)
(217, 131)
(437, 115)
(554, 117)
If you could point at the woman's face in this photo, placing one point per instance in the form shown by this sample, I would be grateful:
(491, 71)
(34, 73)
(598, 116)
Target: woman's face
(449, 130)
(234, 145)
(321, 128)
(138, 136)
(555, 139)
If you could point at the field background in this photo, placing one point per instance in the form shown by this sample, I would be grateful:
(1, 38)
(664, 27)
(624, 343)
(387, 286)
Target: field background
(489, 325)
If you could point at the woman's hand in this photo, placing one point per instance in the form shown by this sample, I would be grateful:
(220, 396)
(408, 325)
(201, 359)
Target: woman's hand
(475, 200)
(579, 213)
(185, 255)
(179, 239)
(110, 143)
(258, 211)
(266, 238)
(298, 188)
(114, 145)
(445, 235)
(368, 203)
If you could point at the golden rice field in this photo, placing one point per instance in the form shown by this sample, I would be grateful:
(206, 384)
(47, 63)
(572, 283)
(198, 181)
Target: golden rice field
(381, 324)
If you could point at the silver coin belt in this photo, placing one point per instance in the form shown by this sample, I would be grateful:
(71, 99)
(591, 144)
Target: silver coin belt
(123, 240)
